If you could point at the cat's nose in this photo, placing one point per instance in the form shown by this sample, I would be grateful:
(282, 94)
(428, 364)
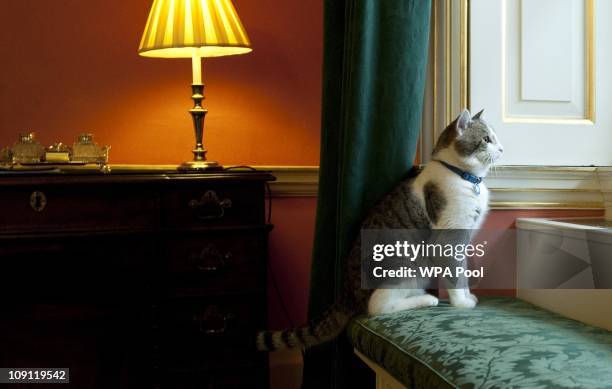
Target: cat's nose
(501, 149)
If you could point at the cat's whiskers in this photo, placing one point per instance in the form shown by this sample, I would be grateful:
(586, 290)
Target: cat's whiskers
(492, 168)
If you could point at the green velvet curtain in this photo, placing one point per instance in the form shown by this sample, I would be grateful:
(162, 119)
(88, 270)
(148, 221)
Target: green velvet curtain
(375, 56)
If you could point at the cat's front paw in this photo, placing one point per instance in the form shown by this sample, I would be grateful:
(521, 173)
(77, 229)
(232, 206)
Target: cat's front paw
(429, 300)
(465, 302)
(473, 297)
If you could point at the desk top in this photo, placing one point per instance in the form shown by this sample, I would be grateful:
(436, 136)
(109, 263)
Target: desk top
(59, 174)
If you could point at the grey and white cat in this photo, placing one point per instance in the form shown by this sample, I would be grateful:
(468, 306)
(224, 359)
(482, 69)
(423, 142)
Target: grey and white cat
(437, 198)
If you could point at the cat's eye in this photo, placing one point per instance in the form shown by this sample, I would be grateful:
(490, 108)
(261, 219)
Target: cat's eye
(487, 139)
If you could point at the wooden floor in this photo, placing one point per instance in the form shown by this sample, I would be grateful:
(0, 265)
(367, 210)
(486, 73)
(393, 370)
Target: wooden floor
(286, 369)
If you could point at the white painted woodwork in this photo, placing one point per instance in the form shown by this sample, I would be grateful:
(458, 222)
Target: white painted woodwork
(605, 179)
(545, 74)
(546, 29)
(511, 186)
(590, 306)
(529, 69)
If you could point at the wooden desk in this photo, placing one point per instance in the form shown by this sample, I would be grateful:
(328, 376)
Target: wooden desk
(135, 280)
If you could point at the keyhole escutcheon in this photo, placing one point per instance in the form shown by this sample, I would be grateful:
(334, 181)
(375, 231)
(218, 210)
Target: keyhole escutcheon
(38, 201)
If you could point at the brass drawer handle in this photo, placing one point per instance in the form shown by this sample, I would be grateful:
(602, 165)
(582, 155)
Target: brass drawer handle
(210, 259)
(38, 201)
(213, 322)
(210, 207)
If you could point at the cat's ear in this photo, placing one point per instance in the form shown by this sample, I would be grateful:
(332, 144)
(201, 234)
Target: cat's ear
(463, 121)
(478, 115)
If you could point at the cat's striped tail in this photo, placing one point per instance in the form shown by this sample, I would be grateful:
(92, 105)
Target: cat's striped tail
(326, 328)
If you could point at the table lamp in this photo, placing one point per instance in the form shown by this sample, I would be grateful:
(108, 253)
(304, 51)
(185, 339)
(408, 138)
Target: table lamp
(194, 29)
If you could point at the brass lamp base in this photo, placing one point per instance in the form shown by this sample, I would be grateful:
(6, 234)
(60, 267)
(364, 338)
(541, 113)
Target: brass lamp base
(200, 166)
(198, 113)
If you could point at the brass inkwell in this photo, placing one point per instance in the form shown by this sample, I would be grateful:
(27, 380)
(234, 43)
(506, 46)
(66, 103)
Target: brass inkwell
(29, 154)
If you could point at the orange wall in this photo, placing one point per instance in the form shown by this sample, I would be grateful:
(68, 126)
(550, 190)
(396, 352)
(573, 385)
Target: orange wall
(290, 257)
(71, 66)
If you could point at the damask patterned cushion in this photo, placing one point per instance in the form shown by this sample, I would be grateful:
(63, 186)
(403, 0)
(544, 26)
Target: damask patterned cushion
(502, 343)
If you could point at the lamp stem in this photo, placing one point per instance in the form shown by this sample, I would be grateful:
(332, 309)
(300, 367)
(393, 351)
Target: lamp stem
(196, 66)
(198, 114)
(199, 163)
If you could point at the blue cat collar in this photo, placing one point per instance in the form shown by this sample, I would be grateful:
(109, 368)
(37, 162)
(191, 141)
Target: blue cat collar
(467, 176)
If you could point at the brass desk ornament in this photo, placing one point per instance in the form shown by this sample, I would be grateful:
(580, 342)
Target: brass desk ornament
(27, 149)
(85, 150)
(6, 156)
(27, 154)
(57, 153)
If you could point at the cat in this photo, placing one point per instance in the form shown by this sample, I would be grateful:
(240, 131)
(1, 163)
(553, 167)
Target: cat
(436, 198)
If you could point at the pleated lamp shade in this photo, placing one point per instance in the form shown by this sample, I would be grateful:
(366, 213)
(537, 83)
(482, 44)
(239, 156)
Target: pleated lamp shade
(184, 28)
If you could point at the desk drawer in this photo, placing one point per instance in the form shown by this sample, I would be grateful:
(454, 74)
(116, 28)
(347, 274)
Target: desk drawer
(83, 268)
(60, 209)
(211, 333)
(217, 261)
(213, 205)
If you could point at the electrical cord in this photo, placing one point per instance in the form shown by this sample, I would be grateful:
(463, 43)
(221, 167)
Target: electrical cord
(268, 190)
(268, 221)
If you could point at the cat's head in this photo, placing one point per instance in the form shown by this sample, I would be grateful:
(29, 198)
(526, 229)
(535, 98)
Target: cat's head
(469, 142)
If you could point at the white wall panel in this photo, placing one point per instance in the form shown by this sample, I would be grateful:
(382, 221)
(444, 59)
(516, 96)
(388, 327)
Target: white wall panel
(544, 44)
(540, 68)
(546, 29)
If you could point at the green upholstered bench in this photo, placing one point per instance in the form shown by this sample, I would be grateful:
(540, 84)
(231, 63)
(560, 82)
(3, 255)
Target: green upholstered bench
(501, 343)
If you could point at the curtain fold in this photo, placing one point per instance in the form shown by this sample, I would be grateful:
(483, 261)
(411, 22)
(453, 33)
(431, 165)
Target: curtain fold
(375, 57)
